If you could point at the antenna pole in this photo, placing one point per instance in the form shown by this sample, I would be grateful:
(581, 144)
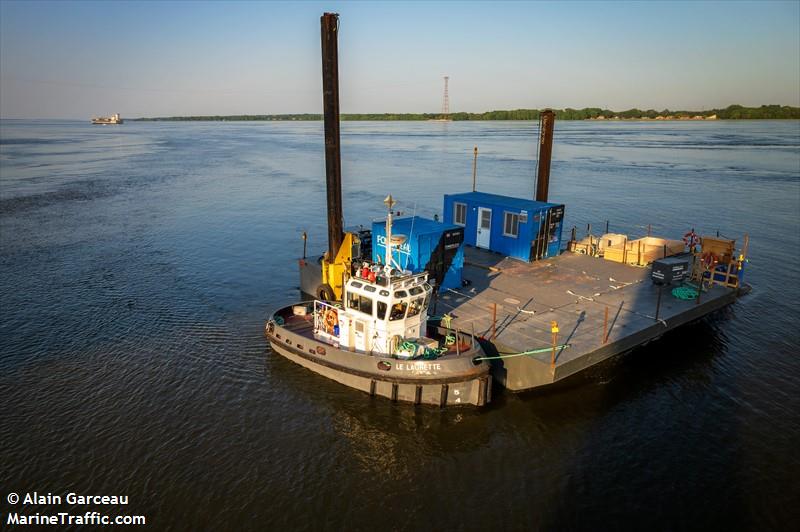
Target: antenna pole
(474, 168)
(446, 101)
(389, 202)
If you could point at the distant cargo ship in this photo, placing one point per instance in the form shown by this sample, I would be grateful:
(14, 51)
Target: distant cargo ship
(104, 120)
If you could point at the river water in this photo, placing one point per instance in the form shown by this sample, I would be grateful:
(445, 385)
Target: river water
(139, 262)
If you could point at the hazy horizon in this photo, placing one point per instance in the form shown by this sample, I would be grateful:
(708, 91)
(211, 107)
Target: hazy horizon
(79, 59)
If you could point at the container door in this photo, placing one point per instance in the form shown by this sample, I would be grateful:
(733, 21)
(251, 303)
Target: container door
(483, 237)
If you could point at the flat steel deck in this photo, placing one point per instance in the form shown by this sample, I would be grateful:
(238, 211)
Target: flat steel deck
(574, 290)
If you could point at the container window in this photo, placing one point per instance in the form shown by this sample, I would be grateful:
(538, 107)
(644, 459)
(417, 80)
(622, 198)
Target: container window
(460, 213)
(398, 311)
(486, 218)
(400, 293)
(511, 226)
(356, 284)
(381, 310)
(370, 288)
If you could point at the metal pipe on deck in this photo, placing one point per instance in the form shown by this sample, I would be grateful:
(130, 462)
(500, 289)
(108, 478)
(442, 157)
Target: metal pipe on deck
(329, 26)
(546, 123)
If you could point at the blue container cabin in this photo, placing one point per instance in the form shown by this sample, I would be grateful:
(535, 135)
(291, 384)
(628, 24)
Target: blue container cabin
(430, 246)
(525, 229)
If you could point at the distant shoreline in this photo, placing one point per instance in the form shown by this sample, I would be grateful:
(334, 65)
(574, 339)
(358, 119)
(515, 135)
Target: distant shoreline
(733, 112)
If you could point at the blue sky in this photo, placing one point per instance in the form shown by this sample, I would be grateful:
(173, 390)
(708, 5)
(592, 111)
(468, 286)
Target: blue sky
(77, 59)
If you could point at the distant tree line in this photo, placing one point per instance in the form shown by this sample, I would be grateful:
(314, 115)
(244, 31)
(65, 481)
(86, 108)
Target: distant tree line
(732, 112)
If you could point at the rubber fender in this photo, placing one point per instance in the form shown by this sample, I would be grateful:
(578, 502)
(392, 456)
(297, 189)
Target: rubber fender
(325, 292)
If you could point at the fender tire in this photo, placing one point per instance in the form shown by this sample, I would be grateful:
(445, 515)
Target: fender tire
(325, 292)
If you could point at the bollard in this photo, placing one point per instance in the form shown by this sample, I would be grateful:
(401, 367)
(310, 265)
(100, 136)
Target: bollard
(554, 330)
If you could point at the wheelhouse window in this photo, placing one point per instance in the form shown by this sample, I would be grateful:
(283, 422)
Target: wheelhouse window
(460, 213)
(511, 226)
(398, 311)
(359, 303)
(382, 310)
(415, 307)
(365, 305)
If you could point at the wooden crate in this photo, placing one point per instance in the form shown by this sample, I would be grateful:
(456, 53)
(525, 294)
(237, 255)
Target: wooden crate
(592, 245)
(611, 239)
(643, 251)
(722, 248)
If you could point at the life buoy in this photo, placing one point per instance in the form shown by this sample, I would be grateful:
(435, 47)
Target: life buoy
(708, 259)
(691, 239)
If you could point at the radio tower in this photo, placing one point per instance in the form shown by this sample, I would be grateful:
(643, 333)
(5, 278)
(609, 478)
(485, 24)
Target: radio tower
(446, 101)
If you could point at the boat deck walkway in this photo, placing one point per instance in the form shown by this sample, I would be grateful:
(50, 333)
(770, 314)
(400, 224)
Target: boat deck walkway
(574, 290)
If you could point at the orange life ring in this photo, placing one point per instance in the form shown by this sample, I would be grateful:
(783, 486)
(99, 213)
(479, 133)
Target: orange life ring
(708, 259)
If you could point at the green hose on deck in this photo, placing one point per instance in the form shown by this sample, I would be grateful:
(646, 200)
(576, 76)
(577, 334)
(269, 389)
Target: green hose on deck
(524, 353)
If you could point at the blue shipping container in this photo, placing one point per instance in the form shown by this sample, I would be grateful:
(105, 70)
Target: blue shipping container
(430, 245)
(525, 229)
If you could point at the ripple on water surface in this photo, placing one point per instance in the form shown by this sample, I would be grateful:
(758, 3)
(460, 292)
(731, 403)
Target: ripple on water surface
(139, 263)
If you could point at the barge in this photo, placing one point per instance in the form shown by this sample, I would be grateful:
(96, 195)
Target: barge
(107, 120)
(494, 266)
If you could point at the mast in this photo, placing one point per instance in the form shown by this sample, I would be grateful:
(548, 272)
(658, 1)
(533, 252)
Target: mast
(329, 23)
(389, 202)
(546, 121)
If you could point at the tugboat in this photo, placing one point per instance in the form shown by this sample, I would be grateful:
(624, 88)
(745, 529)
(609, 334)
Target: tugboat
(381, 340)
(107, 120)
